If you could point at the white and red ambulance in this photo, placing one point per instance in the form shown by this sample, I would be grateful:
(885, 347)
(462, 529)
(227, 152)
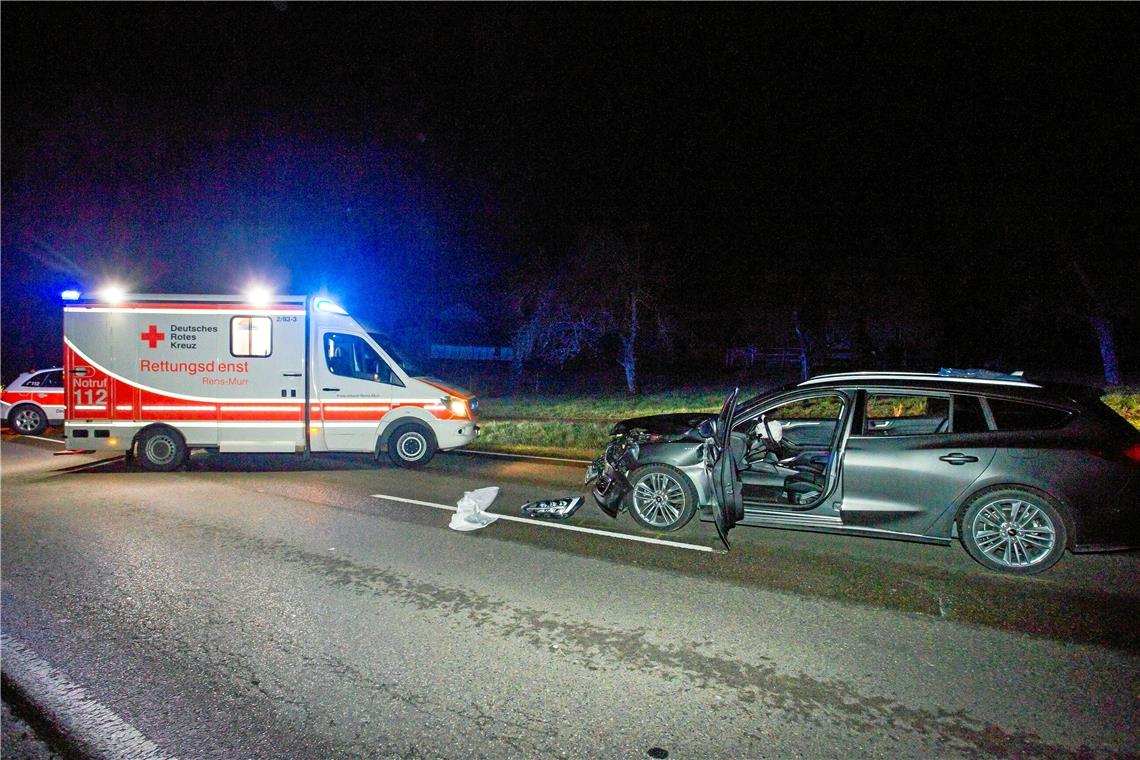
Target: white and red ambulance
(159, 375)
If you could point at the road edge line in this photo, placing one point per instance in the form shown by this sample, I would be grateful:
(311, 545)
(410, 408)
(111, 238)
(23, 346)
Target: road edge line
(91, 727)
(559, 526)
(508, 455)
(41, 438)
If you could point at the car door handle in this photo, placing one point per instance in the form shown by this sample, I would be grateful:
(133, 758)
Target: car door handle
(291, 374)
(958, 458)
(330, 389)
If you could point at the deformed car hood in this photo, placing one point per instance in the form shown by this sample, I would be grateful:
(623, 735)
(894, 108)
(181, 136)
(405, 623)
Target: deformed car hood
(664, 424)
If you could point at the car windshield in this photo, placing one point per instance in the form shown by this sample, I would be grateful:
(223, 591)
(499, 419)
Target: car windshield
(395, 354)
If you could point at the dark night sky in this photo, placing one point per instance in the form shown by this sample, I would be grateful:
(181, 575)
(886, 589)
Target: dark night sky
(408, 156)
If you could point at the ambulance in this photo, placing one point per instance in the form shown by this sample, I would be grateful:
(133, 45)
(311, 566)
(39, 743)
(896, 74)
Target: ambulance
(156, 376)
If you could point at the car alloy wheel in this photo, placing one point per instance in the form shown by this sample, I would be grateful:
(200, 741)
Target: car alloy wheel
(28, 420)
(662, 498)
(1014, 530)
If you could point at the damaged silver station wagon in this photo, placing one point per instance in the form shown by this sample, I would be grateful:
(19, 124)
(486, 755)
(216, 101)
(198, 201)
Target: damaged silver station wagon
(1017, 471)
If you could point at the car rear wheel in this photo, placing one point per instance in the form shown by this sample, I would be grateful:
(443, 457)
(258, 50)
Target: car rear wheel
(412, 445)
(162, 449)
(661, 497)
(1013, 531)
(27, 420)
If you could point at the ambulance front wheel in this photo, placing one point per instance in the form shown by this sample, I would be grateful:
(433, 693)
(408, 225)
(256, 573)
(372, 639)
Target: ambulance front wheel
(162, 449)
(411, 445)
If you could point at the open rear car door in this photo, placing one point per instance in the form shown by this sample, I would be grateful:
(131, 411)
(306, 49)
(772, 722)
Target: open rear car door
(721, 462)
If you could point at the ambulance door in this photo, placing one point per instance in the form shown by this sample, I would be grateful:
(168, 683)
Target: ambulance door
(354, 386)
(259, 380)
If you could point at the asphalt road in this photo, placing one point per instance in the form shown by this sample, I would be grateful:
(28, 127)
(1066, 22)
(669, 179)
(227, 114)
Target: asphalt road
(269, 607)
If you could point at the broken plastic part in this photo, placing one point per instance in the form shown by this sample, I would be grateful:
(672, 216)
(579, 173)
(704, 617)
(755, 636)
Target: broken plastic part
(552, 509)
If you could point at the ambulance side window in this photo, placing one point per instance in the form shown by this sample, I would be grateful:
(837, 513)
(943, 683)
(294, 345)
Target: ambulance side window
(251, 336)
(351, 356)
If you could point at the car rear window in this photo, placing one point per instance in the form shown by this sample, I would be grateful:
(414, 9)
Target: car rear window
(894, 414)
(1015, 415)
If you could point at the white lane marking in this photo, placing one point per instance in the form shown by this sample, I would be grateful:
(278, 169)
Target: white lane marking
(560, 526)
(41, 438)
(476, 452)
(86, 721)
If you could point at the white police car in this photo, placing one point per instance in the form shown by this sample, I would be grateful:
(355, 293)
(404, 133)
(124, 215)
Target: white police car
(33, 401)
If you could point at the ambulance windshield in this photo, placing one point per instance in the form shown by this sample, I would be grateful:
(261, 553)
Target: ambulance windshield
(394, 353)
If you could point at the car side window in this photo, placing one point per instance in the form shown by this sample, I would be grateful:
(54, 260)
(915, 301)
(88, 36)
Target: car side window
(351, 356)
(968, 415)
(808, 422)
(52, 379)
(893, 414)
(1015, 415)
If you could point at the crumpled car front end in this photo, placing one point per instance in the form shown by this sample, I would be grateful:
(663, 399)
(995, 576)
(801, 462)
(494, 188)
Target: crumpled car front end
(664, 438)
(609, 472)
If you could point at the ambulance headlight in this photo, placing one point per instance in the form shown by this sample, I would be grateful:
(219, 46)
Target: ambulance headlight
(457, 406)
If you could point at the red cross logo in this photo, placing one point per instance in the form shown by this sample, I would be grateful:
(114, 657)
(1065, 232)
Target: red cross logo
(153, 336)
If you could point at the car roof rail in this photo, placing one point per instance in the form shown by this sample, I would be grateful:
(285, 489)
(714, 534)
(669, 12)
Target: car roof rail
(945, 374)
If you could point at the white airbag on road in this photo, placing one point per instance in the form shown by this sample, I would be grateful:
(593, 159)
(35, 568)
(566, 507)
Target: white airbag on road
(471, 514)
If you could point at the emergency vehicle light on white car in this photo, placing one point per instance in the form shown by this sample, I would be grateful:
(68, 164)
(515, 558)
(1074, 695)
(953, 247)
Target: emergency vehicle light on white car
(158, 375)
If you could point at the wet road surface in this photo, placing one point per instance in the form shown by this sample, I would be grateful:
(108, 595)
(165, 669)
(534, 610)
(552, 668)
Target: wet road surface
(268, 607)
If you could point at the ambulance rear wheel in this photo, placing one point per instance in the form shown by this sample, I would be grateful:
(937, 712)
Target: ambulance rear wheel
(411, 445)
(27, 420)
(162, 449)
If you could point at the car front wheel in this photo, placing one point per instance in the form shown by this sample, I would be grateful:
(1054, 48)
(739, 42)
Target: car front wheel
(661, 497)
(1013, 531)
(27, 420)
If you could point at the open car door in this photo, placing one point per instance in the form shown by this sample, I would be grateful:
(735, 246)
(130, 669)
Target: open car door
(722, 463)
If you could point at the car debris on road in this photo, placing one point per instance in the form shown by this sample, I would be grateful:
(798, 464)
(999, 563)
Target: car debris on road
(471, 511)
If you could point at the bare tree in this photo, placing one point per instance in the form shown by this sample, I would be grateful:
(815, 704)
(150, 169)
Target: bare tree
(604, 287)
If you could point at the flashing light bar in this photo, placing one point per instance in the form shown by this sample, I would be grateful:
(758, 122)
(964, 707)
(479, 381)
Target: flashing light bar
(325, 305)
(113, 294)
(70, 295)
(258, 296)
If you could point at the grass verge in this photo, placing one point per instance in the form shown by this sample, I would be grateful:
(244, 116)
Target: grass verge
(1125, 401)
(577, 427)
